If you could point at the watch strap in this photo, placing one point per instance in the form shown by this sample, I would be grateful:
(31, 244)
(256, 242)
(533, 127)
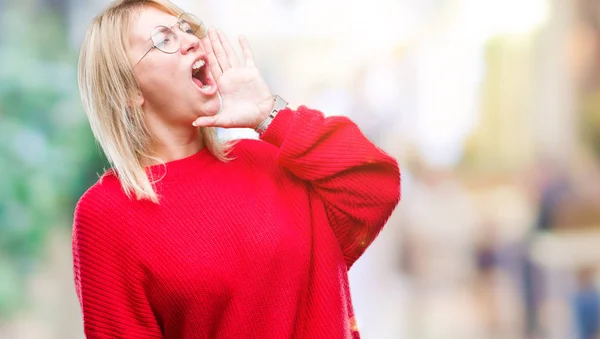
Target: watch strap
(278, 105)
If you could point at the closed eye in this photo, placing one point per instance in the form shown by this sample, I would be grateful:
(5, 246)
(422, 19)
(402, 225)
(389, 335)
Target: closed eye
(163, 43)
(186, 27)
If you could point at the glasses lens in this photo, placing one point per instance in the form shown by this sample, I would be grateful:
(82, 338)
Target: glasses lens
(191, 24)
(165, 39)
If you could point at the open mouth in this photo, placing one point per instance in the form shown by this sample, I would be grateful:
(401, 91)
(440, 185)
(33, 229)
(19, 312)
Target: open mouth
(202, 78)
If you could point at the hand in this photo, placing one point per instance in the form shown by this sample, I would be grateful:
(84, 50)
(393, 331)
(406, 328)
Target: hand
(247, 99)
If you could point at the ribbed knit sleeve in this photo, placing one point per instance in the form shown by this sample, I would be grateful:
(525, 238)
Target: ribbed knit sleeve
(358, 183)
(109, 279)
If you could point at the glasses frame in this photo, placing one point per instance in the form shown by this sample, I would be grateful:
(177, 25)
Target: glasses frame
(179, 24)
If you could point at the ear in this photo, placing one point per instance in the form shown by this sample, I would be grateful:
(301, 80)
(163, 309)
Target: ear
(137, 100)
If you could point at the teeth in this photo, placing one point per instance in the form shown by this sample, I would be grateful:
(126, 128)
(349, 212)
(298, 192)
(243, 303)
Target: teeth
(198, 64)
(206, 87)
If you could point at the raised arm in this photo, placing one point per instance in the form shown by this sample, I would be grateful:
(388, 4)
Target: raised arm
(358, 183)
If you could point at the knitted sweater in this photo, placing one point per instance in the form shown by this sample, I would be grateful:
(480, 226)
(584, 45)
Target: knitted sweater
(257, 247)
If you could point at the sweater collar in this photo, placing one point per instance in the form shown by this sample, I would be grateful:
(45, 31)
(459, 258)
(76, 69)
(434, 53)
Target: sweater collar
(179, 167)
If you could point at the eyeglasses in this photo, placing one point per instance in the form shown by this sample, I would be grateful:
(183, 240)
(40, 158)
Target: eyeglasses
(165, 39)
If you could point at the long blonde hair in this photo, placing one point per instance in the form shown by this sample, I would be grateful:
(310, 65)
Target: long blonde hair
(108, 87)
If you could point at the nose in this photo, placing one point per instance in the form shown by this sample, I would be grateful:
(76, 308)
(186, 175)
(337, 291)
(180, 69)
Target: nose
(189, 42)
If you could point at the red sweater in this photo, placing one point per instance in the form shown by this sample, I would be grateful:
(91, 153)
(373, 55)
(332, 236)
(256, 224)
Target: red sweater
(258, 247)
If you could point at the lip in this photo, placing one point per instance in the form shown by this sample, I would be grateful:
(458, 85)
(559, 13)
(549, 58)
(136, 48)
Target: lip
(210, 80)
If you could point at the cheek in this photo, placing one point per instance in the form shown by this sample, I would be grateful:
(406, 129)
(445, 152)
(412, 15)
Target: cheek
(159, 80)
(161, 67)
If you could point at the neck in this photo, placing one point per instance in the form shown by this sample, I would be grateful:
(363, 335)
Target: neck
(171, 144)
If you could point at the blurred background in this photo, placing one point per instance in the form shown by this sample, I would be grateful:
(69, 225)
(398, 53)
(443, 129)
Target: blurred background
(492, 108)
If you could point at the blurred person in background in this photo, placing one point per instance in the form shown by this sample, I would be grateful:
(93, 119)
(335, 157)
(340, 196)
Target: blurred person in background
(554, 189)
(586, 305)
(187, 236)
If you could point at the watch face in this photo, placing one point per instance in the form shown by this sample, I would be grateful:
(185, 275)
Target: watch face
(277, 106)
(279, 103)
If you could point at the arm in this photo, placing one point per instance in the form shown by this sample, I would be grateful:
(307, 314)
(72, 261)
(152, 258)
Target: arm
(108, 279)
(358, 183)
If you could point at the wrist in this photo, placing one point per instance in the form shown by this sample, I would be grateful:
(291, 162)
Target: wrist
(265, 107)
(276, 104)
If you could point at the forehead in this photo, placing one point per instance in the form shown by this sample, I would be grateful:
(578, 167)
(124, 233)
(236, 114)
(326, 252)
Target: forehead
(142, 25)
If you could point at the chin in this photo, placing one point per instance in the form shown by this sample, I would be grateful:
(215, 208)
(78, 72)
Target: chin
(211, 107)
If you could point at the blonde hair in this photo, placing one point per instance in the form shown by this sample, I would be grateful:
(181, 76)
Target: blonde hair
(108, 87)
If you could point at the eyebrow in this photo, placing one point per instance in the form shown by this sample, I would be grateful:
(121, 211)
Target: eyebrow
(169, 26)
(149, 38)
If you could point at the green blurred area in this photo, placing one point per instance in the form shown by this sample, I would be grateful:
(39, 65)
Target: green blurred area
(47, 153)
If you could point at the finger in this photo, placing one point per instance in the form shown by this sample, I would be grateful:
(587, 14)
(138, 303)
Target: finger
(206, 121)
(220, 120)
(233, 59)
(215, 69)
(218, 49)
(248, 56)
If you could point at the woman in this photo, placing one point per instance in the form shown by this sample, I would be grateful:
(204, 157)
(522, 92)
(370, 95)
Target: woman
(187, 237)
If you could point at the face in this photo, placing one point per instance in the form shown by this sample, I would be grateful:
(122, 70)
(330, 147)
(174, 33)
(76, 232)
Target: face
(173, 90)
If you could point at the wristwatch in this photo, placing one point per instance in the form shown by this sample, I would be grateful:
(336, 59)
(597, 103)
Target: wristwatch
(277, 106)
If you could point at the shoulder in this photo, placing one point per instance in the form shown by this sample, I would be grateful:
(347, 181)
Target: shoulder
(252, 149)
(103, 241)
(99, 205)
(107, 188)
(103, 225)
